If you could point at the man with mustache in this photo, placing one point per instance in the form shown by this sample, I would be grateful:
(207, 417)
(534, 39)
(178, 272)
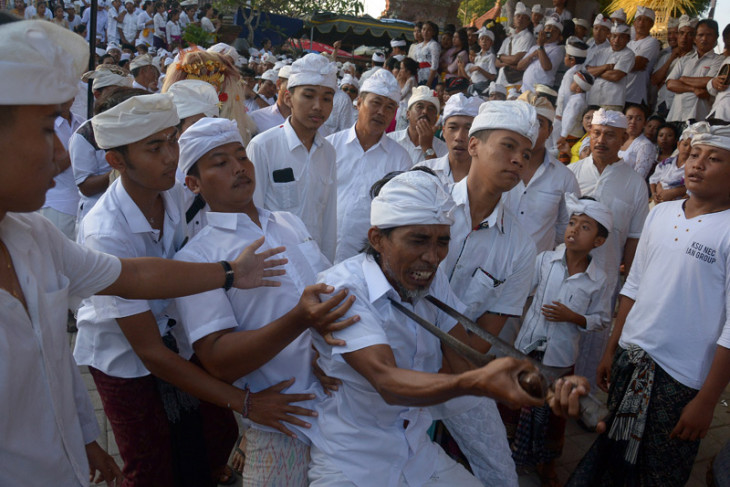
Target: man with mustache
(418, 138)
(373, 429)
(364, 155)
(605, 177)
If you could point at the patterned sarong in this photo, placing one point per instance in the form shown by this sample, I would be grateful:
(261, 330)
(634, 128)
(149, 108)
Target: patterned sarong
(274, 459)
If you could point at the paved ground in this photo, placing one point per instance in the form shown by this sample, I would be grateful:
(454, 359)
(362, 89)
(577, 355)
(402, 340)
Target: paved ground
(577, 440)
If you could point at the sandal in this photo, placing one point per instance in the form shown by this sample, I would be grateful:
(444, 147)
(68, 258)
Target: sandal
(238, 459)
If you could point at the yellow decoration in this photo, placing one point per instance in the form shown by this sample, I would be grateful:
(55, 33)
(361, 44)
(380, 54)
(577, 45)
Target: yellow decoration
(661, 7)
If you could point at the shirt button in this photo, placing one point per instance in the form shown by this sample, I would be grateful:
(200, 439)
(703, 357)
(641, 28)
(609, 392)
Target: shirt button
(522, 213)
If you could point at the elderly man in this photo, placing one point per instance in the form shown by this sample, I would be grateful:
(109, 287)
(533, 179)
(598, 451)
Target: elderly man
(543, 60)
(605, 177)
(364, 155)
(459, 113)
(418, 139)
(515, 48)
(689, 77)
(681, 40)
(662, 397)
(372, 431)
(646, 48)
(145, 73)
(609, 68)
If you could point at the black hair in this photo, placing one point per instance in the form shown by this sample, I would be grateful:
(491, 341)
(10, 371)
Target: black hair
(640, 106)
(578, 45)
(666, 125)
(475, 48)
(464, 38)
(450, 28)
(435, 29)
(726, 31)
(410, 65)
(656, 117)
(602, 231)
(712, 24)
(103, 57)
(419, 24)
(80, 29)
(392, 63)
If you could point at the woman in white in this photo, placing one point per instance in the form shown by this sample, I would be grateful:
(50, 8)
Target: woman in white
(172, 30)
(637, 151)
(428, 54)
(407, 80)
(206, 15)
(667, 182)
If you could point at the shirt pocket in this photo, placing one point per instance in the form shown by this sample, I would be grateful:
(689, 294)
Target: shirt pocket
(544, 204)
(482, 289)
(286, 194)
(621, 213)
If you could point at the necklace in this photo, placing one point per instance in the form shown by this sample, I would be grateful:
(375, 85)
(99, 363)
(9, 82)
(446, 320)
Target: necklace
(11, 272)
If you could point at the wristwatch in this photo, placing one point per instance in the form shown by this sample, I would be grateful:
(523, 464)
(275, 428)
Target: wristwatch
(430, 152)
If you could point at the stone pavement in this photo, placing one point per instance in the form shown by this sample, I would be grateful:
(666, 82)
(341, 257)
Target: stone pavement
(577, 440)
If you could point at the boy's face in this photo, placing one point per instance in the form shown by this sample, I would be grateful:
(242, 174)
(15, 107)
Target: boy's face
(456, 135)
(226, 179)
(149, 164)
(581, 233)
(498, 162)
(569, 61)
(574, 88)
(581, 31)
(310, 105)
(707, 173)
(485, 43)
(600, 33)
(30, 150)
(472, 56)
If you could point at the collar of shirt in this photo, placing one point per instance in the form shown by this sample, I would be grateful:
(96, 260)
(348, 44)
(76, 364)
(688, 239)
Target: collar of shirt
(352, 138)
(378, 285)
(460, 194)
(135, 218)
(231, 221)
(292, 139)
(592, 271)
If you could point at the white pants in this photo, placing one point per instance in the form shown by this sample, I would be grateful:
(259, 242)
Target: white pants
(448, 473)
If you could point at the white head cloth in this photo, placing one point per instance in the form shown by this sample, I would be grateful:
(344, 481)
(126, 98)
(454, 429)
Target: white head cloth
(193, 97)
(268, 58)
(424, 93)
(520, 9)
(537, 9)
(603, 21)
(484, 32)
(542, 105)
(545, 90)
(610, 118)
(581, 80)
(673, 23)
(40, 63)
(551, 22)
(397, 43)
(382, 82)
(594, 209)
(538, 28)
(378, 57)
(412, 198)
(495, 87)
(515, 116)
(460, 104)
(313, 69)
(104, 78)
(100, 51)
(284, 72)
(574, 51)
(202, 137)
(269, 75)
(621, 29)
(113, 45)
(513, 94)
(619, 14)
(139, 61)
(348, 79)
(719, 136)
(582, 22)
(687, 21)
(134, 119)
(695, 129)
(645, 12)
(225, 49)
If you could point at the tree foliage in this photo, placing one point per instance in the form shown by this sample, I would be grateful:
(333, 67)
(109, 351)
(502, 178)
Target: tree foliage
(674, 7)
(471, 9)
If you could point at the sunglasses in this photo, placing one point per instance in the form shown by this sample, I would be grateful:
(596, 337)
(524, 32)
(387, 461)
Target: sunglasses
(350, 90)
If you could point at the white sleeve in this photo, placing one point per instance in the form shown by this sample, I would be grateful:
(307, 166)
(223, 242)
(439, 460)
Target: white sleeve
(84, 409)
(258, 157)
(641, 210)
(724, 340)
(625, 63)
(645, 157)
(598, 314)
(649, 50)
(83, 158)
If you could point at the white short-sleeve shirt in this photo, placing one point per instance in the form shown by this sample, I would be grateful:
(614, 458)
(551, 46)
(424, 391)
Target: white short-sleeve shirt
(291, 178)
(680, 282)
(64, 196)
(117, 226)
(40, 384)
(358, 428)
(535, 74)
(721, 106)
(86, 160)
(668, 174)
(640, 155)
(638, 81)
(357, 171)
(606, 92)
(343, 114)
(442, 167)
(415, 151)
(539, 206)
(266, 118)
(687, 106)
(484, 61)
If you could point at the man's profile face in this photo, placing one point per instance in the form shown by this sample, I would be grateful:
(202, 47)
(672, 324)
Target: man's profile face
(267, 88)
(376, 112)
(410, 255)
(151, 162)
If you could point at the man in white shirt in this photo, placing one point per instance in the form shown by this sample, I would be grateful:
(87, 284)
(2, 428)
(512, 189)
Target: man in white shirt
(459, 113)
(515, 47)
(128, 26)
(671, 358)
(101, 18)
(609, 68)
(276, 113)
(43, 273)
(266, 92)
(559, 10)
(543, 60)
(684, 40)
(601, 32)
(605, 177)
(343, 112)
(187, 13)
(646, 48)
(295, 165)
(688, 79)
(112, 22)
(388, 364)
(419, 137)
(145, 73)
(364, 155)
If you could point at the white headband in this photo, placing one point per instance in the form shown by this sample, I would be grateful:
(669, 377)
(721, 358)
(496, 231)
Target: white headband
(645, 12)
(673, 23)
(40, 63)
(348, 79)
(459, 104)
(551, 22)
(602, 21)
(619, 14)
(520, 9)
(412, 198)
(610, 118)
(582, 22)
(424, 93)
(397, 43)
(695, 129)
(133, 120)
(225, 50)
(383, 83)
(515, 116)
(582, 82)
(193, 97)
(313, 69)
(594, 209)
(495, 87)
(484, 32)
(571, 50)
(719, 136)
(202, 137)
(621, 29)
(542, 105)
(686, 21)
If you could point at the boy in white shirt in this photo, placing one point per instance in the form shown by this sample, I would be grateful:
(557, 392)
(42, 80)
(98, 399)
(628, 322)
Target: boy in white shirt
(570, 298)
(571, 127)
(482, 70)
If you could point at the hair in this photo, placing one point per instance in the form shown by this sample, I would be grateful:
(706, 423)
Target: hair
(174, 11)
(419, 24)
(203, 10)
(392, 63)
(264, 41)
(483, 135)
(641, 107)
(80, 29)
(726, 31)
(410, 65)
(102, 58)
(712, 24)
(123, 63)
(144, 47)
(602, 231)
(658, 118)
(578, 45)
(434, 27)
(475, 48)
(375, 191)
(464, 38)
(665, 125)
(450, 28)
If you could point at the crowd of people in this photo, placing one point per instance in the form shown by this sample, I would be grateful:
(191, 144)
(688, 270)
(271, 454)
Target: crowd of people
(238, 231)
